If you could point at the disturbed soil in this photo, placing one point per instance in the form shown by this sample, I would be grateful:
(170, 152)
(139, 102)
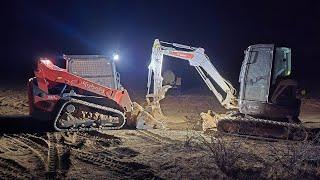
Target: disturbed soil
(31, 150)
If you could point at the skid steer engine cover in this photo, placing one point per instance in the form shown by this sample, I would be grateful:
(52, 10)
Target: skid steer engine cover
(265, 87)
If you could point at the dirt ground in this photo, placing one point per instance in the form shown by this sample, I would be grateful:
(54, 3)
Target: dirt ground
(28, 150)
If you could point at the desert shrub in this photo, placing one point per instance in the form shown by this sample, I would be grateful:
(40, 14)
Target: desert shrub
(241, 158)
(294, 160)
(224, 154)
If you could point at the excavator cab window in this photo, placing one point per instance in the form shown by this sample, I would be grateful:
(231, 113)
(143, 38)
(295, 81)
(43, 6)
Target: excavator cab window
(281, 64)
(263, 68)
(256, 72)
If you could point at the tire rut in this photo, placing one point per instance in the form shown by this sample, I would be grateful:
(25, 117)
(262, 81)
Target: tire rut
(130, 170)
(156, 137)
(38, 150)
(52, 157)
(11, 169)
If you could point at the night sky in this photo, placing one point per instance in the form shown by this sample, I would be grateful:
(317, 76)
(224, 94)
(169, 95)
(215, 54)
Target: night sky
(33, 29)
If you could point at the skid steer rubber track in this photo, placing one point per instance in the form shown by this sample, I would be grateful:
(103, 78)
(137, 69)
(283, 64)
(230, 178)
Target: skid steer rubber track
(248, 126)
(86, 113)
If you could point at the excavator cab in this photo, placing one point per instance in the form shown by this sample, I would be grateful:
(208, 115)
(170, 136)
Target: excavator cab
(266, 89)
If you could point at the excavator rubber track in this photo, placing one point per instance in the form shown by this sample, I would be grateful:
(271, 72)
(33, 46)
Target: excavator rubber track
(88, 113)
(257, 128)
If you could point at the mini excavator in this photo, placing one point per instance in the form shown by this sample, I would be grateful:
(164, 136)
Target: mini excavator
(266, 106)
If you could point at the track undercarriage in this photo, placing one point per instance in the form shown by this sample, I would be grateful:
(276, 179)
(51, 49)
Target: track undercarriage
(243, 125)
(86, 113)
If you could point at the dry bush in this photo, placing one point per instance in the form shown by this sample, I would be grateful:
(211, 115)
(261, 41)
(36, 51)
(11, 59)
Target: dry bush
(294, 161)
(224, 154)
(241, 159)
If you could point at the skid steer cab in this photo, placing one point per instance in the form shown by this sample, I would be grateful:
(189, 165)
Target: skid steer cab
(86, 95)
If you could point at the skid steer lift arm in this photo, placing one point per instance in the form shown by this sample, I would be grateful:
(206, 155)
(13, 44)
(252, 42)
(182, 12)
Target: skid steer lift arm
(197, 58)
(48, 74)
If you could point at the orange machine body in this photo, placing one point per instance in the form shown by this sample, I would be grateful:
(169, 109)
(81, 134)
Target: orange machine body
(49, 75)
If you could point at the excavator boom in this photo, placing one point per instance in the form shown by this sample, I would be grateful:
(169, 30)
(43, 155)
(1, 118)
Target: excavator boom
(196, 58)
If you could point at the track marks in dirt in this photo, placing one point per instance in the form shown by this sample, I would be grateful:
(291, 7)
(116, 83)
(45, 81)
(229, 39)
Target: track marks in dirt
(52, 159)
(52, 155)
(92, 139)
(11, 169)
(38, 151)
(108, 140)
(125, 152)
(50, 162)
(130, 170)
(105, 153)
(156, 137)
(58, 157)
(38, 139)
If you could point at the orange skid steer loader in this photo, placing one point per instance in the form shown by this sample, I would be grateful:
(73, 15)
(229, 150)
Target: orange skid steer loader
(87, 95)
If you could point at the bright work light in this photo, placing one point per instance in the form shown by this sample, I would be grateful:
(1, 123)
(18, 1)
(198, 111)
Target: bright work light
(116, 57)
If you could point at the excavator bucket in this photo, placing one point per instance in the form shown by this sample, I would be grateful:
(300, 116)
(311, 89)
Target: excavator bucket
(153, 108)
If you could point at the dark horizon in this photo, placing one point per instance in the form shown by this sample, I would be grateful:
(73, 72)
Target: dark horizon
(33, 29)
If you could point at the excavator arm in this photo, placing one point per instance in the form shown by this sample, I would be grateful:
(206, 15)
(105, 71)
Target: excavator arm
(196, 58)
